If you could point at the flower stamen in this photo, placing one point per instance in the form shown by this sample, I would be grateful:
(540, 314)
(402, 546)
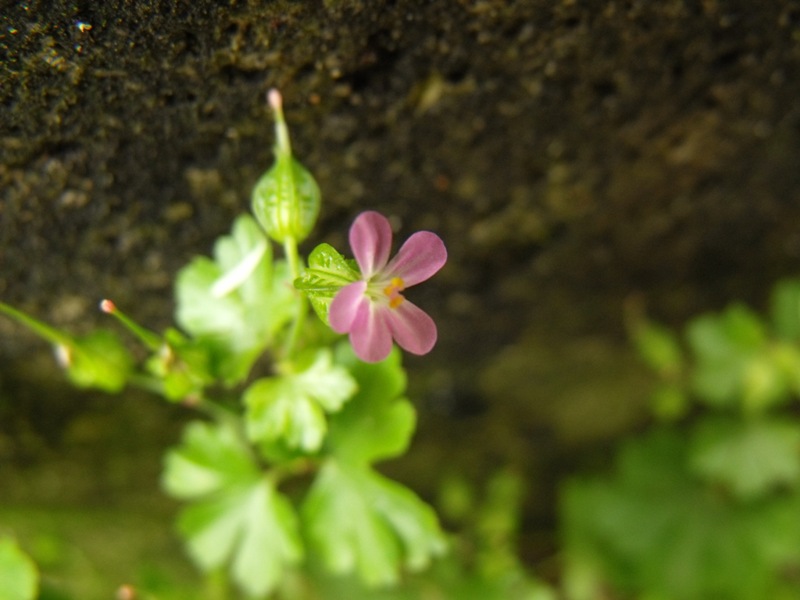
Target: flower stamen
(392, 291)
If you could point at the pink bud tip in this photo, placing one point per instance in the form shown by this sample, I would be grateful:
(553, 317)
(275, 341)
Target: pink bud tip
(126, 592)
(274, 99)
(107, 306)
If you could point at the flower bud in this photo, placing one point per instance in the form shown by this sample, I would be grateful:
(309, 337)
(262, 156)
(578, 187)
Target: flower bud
(286, 199)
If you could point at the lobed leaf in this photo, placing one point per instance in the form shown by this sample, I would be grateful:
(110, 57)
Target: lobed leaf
(655, 528)
(292, 407)
(750, 457)
(238, 515)
(724, 347)
(378, 422)
(236, 304)
(363, 523)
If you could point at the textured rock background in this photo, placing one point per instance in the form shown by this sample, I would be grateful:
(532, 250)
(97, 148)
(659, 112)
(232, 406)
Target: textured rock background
(572, 154)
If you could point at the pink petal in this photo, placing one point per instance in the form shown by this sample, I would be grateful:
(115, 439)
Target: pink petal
(345, 306)
(418, 259)
(370, 335)
(371, 242)
(412, 328)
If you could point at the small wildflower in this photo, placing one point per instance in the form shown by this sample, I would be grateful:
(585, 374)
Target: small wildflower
(373, 310)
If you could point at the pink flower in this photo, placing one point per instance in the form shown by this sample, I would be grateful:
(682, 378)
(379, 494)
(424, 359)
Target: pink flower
(373, 310)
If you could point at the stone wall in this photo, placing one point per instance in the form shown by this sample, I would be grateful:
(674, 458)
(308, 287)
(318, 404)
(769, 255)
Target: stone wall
(572, 154)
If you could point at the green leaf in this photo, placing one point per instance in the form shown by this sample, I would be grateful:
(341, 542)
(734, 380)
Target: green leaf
(669, 402)
(238, 515)
(19, 578)
(360, 521)
(254, 526)
(292, 406)
(363, 523)
(658, 347)
(327, 273)
(378, 422)
(785, 309)
(750, 457)
(724, 347)
(236, 304)
(652, 529)
(209, 459)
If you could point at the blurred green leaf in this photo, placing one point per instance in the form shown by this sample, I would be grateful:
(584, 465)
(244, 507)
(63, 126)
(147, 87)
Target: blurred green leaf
(19, 577)
(750, 457)
(327, 273)
(236, 304)
(669, 402)
(786, 358)
(765, 383)
(653, 530)
(785, 309)
(292, 406)
(659, 347)
(364, 523)
(238, 515)
(498, 522)
(724, 346)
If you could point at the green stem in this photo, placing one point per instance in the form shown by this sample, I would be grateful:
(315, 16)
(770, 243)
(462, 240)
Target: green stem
(292, 256)
(41, 329)
(295, 268)
(148, 338)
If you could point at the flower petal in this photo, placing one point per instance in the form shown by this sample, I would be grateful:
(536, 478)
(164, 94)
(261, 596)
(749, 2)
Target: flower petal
(418, 259)
(371, 242)
(370, 334)
(412, 328)
(345, 305)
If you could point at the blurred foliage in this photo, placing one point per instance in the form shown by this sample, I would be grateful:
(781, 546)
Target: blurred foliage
(19, 577)
(707, 503)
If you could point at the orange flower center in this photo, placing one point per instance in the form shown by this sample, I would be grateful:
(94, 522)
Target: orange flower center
(392, 291)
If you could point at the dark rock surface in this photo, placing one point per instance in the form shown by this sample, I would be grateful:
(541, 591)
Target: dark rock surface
(570, 153)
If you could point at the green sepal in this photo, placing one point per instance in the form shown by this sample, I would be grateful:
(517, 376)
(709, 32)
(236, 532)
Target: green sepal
(328, 272)
(97, 360)
(286, 200)
(182, 365)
